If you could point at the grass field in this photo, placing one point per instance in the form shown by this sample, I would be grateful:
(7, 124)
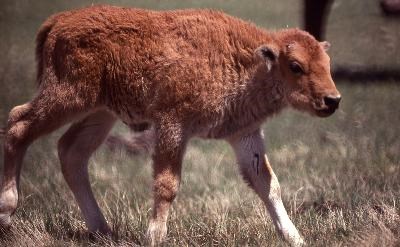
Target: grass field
(339, 176)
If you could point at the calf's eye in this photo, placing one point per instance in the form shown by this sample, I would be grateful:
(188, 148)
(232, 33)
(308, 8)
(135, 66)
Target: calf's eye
(296, 68)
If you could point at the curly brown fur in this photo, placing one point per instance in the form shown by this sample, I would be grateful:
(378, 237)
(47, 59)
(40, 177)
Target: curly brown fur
(185, 73)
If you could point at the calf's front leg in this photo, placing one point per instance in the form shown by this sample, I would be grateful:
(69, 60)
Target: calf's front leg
(257, 171)
(167, 162)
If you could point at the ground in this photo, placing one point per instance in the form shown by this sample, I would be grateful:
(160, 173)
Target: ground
(339, 175)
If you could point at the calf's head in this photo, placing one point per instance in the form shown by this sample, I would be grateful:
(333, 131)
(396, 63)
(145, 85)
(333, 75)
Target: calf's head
(301, 65)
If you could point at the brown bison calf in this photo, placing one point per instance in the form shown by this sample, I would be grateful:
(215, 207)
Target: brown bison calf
(186, 73)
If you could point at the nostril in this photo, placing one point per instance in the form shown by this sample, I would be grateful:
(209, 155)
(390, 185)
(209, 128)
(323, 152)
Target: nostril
(332, 101)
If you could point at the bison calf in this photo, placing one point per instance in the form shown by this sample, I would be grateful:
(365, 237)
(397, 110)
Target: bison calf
(186, 73)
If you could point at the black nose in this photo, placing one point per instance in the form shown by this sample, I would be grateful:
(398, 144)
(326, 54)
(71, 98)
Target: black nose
(332, 101)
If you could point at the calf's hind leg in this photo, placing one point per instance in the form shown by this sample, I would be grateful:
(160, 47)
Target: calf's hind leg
(74, 149)
(11, 170)
(256, 169)
(48, 111)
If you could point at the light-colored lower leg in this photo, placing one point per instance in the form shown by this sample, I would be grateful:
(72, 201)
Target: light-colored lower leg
(256, 170)
(13, 156)
(165, 188)
(75, 148)
(278, 212)
(166, 185)
(157, 230)
(167, 160)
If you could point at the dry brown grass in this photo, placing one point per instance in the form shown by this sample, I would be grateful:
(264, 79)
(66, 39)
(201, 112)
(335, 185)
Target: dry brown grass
(339, 178)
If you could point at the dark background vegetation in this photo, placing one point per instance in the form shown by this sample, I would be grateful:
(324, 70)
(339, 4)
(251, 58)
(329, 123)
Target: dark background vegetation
(340, 175)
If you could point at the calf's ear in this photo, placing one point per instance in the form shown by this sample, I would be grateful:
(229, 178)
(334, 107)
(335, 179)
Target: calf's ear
(325, 45)
(267, 54)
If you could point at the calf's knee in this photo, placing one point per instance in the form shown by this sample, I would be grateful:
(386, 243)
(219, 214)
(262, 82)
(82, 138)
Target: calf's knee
(166, 187)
